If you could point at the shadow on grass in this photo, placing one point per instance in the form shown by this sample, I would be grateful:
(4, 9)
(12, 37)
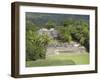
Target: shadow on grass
(40, 63)
(70, 62)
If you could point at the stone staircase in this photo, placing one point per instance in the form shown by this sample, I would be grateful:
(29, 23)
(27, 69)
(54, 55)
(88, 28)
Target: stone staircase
(69, 48)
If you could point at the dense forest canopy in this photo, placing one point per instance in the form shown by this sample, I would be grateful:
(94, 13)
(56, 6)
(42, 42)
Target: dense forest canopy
(70, 28)
(40, 19)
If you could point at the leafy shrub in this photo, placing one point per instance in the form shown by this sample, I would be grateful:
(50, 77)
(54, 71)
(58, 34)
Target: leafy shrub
(36, 45)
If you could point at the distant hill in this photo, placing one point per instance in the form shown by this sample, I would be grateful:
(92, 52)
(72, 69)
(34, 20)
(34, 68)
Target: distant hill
(40, 19)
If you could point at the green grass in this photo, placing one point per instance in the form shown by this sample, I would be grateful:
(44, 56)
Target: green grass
(61, 59)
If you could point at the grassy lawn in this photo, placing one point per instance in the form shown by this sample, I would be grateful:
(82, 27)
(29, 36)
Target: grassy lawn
(61, 59)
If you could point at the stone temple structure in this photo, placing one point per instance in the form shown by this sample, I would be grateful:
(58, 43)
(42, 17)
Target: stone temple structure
(58, 48)
(50, 32)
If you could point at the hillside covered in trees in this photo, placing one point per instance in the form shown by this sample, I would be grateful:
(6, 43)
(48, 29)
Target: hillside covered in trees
(40, 19)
